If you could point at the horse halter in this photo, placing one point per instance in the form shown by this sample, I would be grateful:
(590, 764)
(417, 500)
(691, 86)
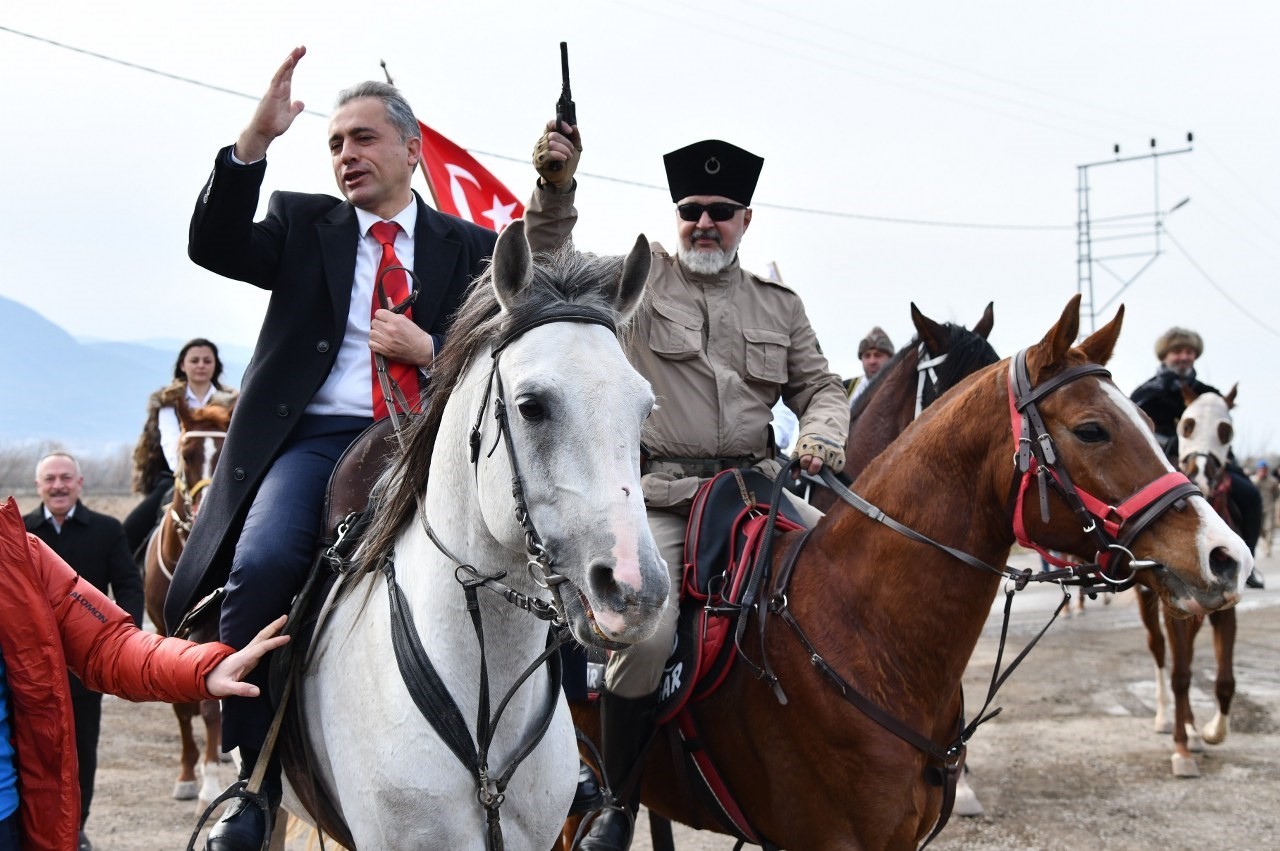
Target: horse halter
(927, 372)
(190, 492)
(1113, 528)
(540, 561)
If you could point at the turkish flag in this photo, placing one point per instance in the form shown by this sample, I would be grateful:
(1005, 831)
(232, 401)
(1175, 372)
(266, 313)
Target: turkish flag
(463, 187)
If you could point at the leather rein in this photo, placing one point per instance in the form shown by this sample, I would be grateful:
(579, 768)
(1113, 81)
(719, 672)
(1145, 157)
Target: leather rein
(425, 686)
(1112, 528)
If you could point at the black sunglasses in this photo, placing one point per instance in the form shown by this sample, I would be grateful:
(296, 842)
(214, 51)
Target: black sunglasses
(721, 211)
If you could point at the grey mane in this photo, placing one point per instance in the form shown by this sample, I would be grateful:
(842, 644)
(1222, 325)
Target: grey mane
(565, 277)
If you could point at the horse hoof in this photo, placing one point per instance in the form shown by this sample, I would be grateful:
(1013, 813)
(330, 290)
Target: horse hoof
(1215, 732)
(184, 790)
(1195, 744)
(1163, 725)
(1185, 766)
(967, 803)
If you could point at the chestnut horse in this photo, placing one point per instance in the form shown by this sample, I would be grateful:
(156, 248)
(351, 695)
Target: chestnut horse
(203, 432)
(917, 375)
(1204, 442)
(876, 618)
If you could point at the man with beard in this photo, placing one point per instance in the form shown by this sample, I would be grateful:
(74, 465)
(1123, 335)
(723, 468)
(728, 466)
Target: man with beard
(1160, 397)
(720, 346)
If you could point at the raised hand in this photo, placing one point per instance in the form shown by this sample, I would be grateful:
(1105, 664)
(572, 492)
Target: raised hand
(275, 112)
(559, 144)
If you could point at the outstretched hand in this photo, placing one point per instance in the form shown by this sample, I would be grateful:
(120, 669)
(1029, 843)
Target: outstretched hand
(227, 678)
(275, 112)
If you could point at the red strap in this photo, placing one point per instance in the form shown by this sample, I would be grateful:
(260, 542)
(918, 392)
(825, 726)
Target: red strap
(711, 778)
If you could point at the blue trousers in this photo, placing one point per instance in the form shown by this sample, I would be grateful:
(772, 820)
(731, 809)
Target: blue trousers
(276, 547)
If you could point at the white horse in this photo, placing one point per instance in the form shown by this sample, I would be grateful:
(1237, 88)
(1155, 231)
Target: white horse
(534, 342)
(1205, 432)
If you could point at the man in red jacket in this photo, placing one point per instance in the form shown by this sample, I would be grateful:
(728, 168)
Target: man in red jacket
(52, 620)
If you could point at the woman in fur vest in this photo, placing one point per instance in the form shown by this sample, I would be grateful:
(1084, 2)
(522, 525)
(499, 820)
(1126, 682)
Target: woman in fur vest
(195, 384)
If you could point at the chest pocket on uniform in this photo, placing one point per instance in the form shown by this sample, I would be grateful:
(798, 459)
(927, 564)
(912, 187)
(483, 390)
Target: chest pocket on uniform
(675, 333)
(767, 354)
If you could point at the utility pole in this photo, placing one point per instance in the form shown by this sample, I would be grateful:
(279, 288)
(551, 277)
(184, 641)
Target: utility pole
(1132, 226)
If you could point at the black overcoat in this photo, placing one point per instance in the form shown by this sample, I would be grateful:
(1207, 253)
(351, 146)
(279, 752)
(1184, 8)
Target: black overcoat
(304, 253)
(93, 545)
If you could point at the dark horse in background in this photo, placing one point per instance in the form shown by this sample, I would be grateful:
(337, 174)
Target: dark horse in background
(204, 430)
(931, 364)
(862, 608)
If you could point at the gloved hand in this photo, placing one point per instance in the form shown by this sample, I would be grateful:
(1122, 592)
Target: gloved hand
(822, 450)
(558, 145)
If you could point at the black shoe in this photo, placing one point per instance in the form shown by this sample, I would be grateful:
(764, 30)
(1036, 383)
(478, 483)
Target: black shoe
(243, 827)
(588, 796)
(1256, 579)
(85, 844)
(611, 831)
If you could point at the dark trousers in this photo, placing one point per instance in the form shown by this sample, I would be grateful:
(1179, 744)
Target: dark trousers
(276, 547)
(144, 516)
(10, 832)
(87, 709)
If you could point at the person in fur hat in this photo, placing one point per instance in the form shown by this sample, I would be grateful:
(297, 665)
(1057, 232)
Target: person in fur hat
(1160, 398)
(874, 351)
(196, 375)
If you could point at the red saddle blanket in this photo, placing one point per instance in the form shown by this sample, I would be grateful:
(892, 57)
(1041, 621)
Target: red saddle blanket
(726, 526)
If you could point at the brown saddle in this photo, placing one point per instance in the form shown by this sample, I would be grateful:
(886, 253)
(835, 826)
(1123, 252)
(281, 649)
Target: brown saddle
(353, 477)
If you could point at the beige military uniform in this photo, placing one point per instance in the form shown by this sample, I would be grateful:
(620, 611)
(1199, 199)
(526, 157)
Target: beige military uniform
(719, 351)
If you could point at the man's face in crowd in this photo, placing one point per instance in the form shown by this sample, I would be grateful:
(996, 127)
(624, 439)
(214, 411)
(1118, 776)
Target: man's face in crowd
(59, 484)
(1180, 359)
(872, 360)
(370, 162)
(708, 246)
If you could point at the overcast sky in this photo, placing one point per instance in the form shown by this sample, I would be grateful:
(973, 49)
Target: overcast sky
(937, 142)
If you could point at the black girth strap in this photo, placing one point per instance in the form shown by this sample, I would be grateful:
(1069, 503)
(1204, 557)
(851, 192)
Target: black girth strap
(432, 697)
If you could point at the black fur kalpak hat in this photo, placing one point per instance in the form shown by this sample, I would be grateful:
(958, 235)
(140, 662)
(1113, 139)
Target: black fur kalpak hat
(712, 167)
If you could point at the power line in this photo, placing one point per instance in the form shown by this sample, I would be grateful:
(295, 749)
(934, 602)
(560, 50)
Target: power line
(1221, 290)
(813, 211)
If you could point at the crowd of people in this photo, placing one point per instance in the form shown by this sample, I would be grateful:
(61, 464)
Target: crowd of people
(720, 345)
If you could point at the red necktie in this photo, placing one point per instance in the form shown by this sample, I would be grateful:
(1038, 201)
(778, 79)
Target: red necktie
(396, 287)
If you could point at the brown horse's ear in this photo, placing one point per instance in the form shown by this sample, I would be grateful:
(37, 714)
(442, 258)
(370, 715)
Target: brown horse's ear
(931, 333)
(1099, 345)
(1189, 393)
(1055, 345)
(983, 328)
(1230, 398)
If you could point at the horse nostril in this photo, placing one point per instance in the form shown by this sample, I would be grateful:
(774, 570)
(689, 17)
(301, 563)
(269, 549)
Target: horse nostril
(1223, 565)
(604, 584)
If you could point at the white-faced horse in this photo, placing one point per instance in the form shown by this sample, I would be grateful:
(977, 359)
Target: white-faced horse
(522, 476)
(1205, 432)
(200, 445)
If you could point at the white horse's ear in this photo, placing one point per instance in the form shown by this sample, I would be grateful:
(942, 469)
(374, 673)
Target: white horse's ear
(512, 264)
(635, 271)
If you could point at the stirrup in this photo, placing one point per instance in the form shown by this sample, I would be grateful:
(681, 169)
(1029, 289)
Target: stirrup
(239, 789)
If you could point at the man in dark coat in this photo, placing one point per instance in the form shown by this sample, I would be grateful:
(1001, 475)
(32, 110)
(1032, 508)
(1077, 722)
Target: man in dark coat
(1160, 398)
(309, 389)
(94, 545)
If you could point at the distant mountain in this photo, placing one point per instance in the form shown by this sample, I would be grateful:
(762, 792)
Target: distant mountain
(86, 395)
